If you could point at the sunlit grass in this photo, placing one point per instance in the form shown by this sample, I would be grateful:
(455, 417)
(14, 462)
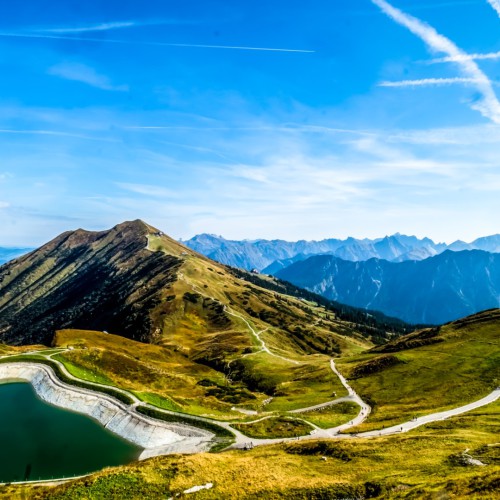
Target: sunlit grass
(414, 466)
(274, 427)
(333, 415)
(463, 368)
(82, 372)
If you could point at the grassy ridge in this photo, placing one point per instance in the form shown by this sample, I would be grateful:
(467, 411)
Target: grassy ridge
(459, 366)
(158, 372)
(173, 379)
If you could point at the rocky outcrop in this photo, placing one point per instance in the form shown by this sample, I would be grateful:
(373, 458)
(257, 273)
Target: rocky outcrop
(156, 437)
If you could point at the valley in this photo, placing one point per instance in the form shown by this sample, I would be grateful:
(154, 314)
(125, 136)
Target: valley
(231, 356)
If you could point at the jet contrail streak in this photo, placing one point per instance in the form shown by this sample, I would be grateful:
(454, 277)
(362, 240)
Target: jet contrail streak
(156, 44)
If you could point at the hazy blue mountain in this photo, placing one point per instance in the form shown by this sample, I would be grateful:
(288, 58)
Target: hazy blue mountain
(442, 288)
(280, 264)
(418, 254)
(7, 254)
(459, 245)
(488, 243)
(271, 255)
(256, 254)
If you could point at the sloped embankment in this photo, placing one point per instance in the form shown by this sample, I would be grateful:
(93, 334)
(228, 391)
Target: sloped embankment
(155, 437)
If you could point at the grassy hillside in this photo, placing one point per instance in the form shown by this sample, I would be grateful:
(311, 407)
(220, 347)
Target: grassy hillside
(427, 464)
(225, 345)
(428, 371)
(168, 378)
(212, 339)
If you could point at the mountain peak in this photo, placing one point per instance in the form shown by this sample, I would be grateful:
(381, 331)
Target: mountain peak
(113, 273)
(137, 226)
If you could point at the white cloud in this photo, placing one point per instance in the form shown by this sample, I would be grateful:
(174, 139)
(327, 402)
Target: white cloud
(238, 47)
(496, 5)
(464, 136)
(112, 25)
(85, 74)
(281, 179)
(149, 190)
(488, 104)
(55, 133)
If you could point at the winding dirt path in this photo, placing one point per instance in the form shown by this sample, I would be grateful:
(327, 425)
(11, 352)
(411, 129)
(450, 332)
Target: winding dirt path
(364, 411)
(434, 417)
(257, 334)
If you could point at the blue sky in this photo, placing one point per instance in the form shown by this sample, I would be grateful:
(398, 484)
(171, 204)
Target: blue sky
(279, 119)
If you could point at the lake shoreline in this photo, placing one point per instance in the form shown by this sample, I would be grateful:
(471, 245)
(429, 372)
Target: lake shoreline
(154, 436)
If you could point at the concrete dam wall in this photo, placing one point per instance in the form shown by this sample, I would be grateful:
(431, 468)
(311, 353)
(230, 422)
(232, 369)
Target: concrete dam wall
(155, 436)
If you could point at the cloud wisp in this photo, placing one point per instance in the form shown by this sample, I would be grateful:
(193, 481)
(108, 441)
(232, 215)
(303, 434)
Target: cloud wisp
(91, 28)
(466, 57)
(84, 74)
(496, 5)
(149, 190)
(153, 44)
(487, 104)
(438, 82)
(112, 25)
(55, 133)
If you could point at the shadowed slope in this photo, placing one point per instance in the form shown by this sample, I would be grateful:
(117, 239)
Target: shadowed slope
(431, 291)
(95, 280)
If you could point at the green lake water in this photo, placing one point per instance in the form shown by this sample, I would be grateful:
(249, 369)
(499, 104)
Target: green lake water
(40, 441)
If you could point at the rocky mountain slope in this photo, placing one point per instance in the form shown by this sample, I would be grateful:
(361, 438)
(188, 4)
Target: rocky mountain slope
(96, 280)
(433, 291)
(134, 281)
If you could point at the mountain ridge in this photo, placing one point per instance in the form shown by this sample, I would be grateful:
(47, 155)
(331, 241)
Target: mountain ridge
(267, 255)
(436, 290)
(133, 280)
(46, 286)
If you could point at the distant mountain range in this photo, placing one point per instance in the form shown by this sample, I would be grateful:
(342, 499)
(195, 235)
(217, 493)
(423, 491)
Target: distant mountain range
(415, 280)
(269, 256)
(7, 254)
(436, 290)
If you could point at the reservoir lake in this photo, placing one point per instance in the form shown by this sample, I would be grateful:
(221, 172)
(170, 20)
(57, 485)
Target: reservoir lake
(41, 441)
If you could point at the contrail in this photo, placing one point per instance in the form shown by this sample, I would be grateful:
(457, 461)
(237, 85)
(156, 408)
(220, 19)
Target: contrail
(55, 133)
(428, 81)
(496, 5)
(487, 104)
(156, 44)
